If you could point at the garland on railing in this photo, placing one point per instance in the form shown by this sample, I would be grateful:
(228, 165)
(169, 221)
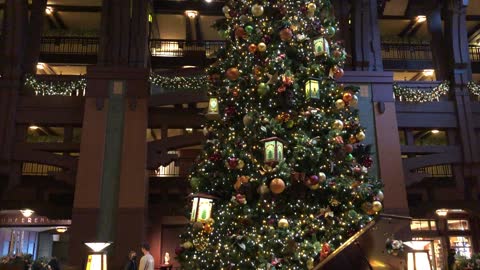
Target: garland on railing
(58, 88)
(179, 83)
(474, 88)
(420, 95)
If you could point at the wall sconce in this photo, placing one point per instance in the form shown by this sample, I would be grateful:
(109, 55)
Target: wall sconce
(442, 212)
(421, 18)
(33, 127)
(166, 258)
(435, 131)
(41, 66)
(192, 14)
(48, 10)
(27, 212)
(428, 72)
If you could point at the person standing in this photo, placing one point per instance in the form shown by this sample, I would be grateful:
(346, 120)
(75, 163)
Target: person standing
(132, 261)
(146, 262)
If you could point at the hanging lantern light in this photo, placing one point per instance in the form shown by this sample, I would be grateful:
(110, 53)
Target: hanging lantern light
(312, 89)
(321, 46)
(213, 109)
(273, 150)
(201, 207)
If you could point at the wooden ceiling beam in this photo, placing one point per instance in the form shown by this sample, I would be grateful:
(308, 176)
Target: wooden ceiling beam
(474, 34)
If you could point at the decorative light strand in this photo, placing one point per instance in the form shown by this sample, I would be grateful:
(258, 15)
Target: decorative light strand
(196, 83)
(474, 88)
(57, 88)
(420, 95)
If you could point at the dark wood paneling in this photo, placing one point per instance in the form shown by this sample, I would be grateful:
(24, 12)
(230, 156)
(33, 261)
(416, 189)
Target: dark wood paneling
(426, 120)
(432, 107)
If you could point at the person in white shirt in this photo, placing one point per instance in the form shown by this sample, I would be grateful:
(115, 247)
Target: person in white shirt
(146, 262)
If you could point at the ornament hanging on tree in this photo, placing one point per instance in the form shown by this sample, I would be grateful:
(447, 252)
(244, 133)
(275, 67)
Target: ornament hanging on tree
(283, 223)
(247, 120)
(360, 136)
(339, 104)
(377, 206)
(257, 10)
(262, 47)
(252, 48)
(240, 32)
(233, 74)
(337, 125)
(263, 89)
(286, 34)
(277, 186)
(321, 47)
(347, 97)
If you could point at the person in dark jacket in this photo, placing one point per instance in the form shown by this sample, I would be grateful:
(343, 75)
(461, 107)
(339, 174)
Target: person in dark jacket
(53, 264)
(132, 261)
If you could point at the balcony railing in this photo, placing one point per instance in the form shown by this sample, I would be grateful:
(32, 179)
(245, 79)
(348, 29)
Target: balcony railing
(69, 45)
(88, 46)
(183, 48)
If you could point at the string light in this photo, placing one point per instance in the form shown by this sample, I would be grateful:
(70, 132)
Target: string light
(56, 88)
(474, 88)
(422, 95)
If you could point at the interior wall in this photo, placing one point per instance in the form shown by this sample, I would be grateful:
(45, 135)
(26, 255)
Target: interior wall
(172, 26)
(45, 244)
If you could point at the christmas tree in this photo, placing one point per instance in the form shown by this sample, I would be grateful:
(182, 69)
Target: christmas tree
(284, 157)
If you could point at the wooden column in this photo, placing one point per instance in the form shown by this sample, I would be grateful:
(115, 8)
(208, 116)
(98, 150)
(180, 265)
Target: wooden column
(437, 43)
(384, 135)
(35, 31)
(366, 49)
(460, 74)
(111, 184)
(12, 51)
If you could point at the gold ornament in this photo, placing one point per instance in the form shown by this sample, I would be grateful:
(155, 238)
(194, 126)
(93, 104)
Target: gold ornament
(310, 264)
(247, 120)
(377, 206)
(354, 101)
(311, 7)
(241, 164)
(337, 125)
(262, 47)
(257, 10)
(339, 104)
(283, 223)
(380, 196)
(360, 136)
(322, 177)
(187, 245)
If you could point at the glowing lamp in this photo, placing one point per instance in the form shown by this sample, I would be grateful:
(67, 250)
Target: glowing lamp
(97, 258)
(213, 109)
(321, 47)
(442, 212)
(418, 260)
(273, 150)
(201, 207)
(312, 89)
(27, 212)
(61, 229)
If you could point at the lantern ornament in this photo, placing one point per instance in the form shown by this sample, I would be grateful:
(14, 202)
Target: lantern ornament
(213, 109)
(273, 150)
(312, 89)
(321, 47)
(201, 207)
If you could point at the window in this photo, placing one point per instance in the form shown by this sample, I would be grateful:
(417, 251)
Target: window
(434, 248)
(423, 225)
(462, 245)
(458, 225)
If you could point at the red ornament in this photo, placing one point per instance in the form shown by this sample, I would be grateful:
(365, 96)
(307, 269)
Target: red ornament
(233, 162)
(240, 32)
(347, 96)
(277, 186)
(252, 48)
(179, 250)
(325, 251)
(286, 34)
(215, 157)
(233, 74)
(241, 199)
(348, 148)
(338, 73)
(230, 111)
(367, 162)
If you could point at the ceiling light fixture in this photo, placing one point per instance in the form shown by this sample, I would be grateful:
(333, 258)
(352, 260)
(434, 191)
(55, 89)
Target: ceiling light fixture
(33, 127)
(435, 131)
(61, 229)
(421, 18)
(192, 14)
(41, 66)
(208, 1)
(442, 212)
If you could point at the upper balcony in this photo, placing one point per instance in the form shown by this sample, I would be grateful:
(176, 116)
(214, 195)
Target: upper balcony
(174, 53)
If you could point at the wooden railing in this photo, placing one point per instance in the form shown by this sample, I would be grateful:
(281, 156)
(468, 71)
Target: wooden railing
(184, 48)
(391, 51)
